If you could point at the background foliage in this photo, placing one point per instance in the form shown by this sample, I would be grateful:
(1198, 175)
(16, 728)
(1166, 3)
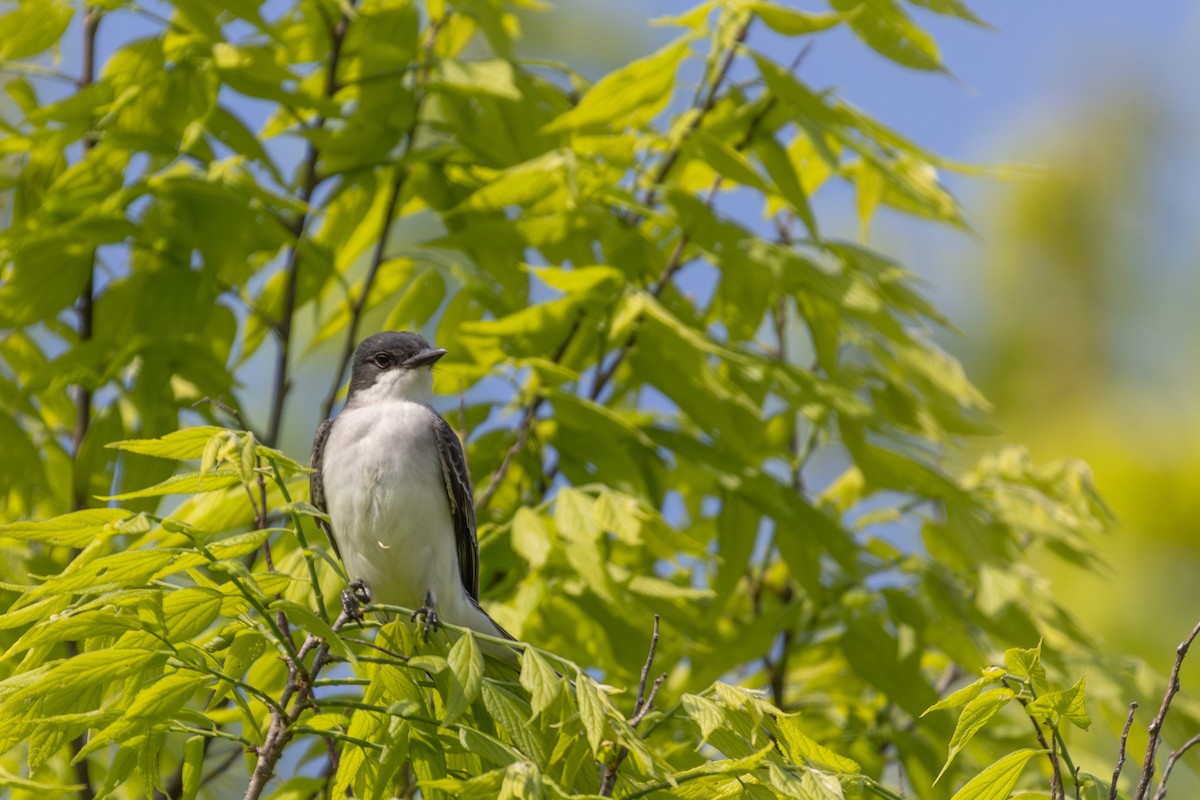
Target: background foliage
(673, 406)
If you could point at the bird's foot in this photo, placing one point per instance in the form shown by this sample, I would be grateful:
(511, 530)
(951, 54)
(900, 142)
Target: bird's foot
(354, 597)
(428, 614)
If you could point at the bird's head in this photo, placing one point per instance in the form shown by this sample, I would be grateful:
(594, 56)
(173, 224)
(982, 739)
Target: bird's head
(393, 365)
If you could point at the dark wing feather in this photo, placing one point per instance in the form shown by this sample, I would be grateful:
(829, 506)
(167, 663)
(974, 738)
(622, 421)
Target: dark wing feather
(316, 481)
(462, 507)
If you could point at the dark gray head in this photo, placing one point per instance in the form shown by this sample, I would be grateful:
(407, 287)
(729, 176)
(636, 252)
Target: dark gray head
(393, 365)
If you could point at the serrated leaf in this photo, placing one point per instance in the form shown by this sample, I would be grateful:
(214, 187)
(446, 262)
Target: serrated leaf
(466, 667)
(802, 748)
(183, 444)
(591, 710)
(974, 716)
(192, 768)
(187, 483)
(790, 22)
(530, 539)
(629, 96)
(540, 680)
(1026, 663)
(998, 780)
(961, 696)
(1066, 704)
(77, 529)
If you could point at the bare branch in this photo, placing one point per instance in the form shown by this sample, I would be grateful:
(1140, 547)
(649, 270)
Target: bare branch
(283, 327)
(1155, 729)
(1112, 789)
(640, 709)
(296, 697)
(1170, 765)
(83, 396)
(641, 698)
(360, 303)
(523, 427)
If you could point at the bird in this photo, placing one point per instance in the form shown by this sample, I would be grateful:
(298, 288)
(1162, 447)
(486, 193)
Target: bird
(390, 474)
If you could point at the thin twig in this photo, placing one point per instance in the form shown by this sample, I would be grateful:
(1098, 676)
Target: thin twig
(523, 427)
(640, 709)
(1112, 789)
(1155, 729)
(359, 305)
(1170, 765)
(283, 327)
(360, 302)
(671, 157)
(298, 693)
(83, 397)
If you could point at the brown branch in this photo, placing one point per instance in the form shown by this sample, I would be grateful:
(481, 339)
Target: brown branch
(710, 100)
(1170, 765)
(1155, 729)
(1112, 789)
(360, 303)
(83, 397)
(298, 692)
(523, 428)
(283, 328)
(640, 709)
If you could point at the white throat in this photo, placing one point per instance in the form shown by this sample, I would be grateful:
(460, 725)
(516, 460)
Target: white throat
(399, 385)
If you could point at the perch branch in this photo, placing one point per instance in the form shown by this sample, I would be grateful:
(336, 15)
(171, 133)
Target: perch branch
(1112, 789)
(1155, 730)
(640, 709)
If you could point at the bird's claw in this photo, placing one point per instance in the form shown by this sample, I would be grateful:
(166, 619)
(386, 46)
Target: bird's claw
(354, 597)
(428, 614)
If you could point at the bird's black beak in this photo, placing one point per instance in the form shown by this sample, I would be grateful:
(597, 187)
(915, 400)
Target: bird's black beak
(425, 358)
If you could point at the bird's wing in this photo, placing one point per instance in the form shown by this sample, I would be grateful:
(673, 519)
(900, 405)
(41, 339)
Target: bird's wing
(462, 507)
(316, 481)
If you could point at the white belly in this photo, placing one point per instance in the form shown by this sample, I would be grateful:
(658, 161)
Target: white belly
(387, 501)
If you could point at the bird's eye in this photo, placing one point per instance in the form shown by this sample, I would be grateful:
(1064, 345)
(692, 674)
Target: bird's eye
(383, 360)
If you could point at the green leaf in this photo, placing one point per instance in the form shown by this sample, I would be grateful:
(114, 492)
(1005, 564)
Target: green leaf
(591, 710)
(1066, 704)
(187, 483)
(973, 718)
(77, 529)
(628, 97)
(192, 768)
(887, 30)
(154, 706)
(493, 77)
(7, 779)
(1027, 664)
(32, 27)
(791, 22)
(182, 444)
(962, 696)
(530, 539)
(998, 780)
(801, 748)
(540, 680)
(466, 666)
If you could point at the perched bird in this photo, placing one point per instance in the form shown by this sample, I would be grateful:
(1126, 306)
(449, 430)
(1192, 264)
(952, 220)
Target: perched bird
(391, 476)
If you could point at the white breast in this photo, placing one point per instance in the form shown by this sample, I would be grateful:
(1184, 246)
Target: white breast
(388, 505)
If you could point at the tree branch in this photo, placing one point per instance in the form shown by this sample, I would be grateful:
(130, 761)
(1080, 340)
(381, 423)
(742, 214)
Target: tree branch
(1155, 729)
(83, 397)
(1112, 789)
(360, 303)
(1170, 765)
(640, 709)
(358, 306)
(298, 692)
(523, 427)
(283, 328)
